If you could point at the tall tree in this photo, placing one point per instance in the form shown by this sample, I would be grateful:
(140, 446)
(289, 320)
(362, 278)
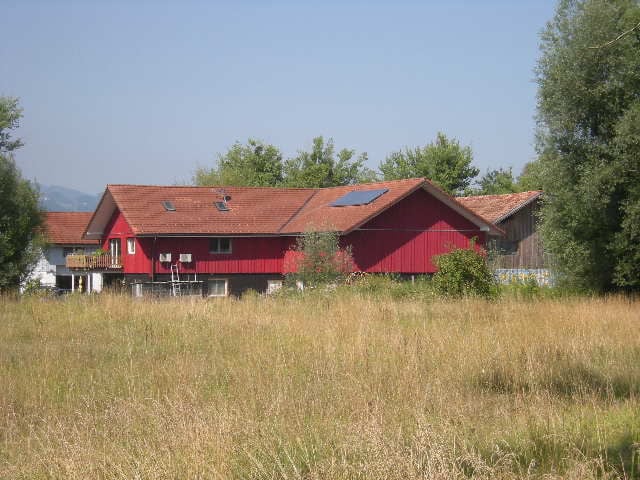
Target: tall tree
(496, 182)
(588, 107)
(255, 164)
(321, 167)
(531, 176)
(20, 215)
(443, 161)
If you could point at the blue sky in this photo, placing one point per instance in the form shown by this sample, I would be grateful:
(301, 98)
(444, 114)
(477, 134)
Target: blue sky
(145, 92)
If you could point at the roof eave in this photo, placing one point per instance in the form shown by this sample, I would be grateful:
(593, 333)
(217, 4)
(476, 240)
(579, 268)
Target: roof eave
(482, 223)
(98, 216)
(516, 209)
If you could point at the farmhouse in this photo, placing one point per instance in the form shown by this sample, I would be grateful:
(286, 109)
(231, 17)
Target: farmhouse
(235, 238)
(519, 252)
(64, 236)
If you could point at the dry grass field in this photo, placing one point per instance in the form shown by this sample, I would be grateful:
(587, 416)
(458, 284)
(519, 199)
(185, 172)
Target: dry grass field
(325, 386)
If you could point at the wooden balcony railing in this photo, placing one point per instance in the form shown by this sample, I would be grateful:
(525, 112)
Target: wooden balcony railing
(93, 262)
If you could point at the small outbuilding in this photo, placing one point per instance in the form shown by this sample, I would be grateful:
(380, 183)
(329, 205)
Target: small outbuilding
(519, 253)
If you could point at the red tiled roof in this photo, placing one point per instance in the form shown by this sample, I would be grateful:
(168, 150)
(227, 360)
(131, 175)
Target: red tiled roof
(67, 228)
(319, 213)
(253, 210)
(496, 208)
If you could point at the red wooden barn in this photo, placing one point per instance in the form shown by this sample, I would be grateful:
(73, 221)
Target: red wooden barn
(237, 238)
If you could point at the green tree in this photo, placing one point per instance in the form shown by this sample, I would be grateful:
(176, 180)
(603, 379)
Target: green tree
(319, 259)
(255, 164)
(531, 176)
(443, 161)
(321, 167)
(588, 102)
(20, 215)
(496, 182)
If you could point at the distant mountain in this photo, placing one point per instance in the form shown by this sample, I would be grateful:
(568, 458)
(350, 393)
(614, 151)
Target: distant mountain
(54, 198)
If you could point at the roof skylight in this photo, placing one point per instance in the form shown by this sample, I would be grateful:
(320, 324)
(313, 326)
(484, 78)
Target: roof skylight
(222, 206)
(168, 206)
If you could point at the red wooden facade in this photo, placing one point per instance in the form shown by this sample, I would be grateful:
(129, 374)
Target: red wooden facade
(402, 239)
(406, 237)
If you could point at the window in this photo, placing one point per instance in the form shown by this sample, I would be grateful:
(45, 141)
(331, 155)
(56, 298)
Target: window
(220, 245)
(222, 206)
(507, 247)
(114, 250)
(168, 206)
(273, 286)
(131, 246)
(218, 287)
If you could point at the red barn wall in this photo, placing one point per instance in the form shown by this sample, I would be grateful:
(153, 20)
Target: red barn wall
(248, 255)
(406, 237)
(140, 262)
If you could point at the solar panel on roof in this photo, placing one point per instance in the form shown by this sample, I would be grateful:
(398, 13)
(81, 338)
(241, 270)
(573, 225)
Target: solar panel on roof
(358, 197)
(168, 206)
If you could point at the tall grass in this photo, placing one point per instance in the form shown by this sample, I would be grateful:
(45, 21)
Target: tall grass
(340, 385)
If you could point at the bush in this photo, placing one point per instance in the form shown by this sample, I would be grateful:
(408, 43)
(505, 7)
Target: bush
(319, 259)
(464, 272)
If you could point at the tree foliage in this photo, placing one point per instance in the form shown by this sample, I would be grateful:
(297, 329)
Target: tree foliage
(318, 258)
(321, 167)
(531, 177)
(588, 109)
(10, 114)
(255, 164)
(20, 215)
(443, 161)
(496, 182)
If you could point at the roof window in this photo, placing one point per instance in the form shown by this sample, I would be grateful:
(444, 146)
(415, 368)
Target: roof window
(168, 206)
(358, 197)
(222, 206)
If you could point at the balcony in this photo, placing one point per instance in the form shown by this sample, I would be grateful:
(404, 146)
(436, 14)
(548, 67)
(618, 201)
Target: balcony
(76, 261)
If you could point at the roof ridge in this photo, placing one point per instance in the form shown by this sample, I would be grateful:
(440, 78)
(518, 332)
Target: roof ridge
(252, 187)
(499, 194)
(65, 211)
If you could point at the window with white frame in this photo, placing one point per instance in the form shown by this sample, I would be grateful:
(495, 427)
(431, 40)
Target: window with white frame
(220, 245)
(273, 286)
(218, 287)
(131, 246)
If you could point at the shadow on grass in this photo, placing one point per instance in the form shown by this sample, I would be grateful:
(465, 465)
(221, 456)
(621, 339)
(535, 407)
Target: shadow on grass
(562, 377)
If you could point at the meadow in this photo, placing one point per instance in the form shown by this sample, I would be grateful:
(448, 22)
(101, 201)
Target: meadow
(341, 385)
